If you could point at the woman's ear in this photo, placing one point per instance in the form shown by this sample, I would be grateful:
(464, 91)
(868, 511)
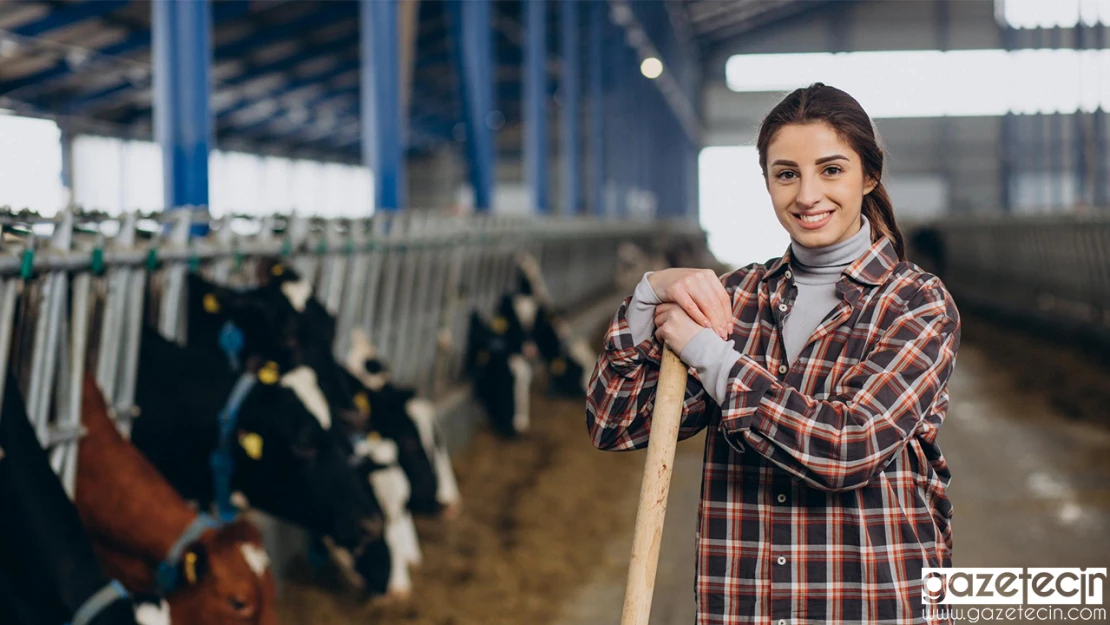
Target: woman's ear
(870, 185)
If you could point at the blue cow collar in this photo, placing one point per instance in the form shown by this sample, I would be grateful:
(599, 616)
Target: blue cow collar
(166, 576)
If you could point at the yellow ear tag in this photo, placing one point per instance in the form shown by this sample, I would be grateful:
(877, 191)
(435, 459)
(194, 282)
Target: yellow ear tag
(373, 437)
(191, 567)
(500, 325)
(277, 270)
(362, 402)
(211, 304)
(269, 373)
(483, 358)
(251, 444)
(558, 366)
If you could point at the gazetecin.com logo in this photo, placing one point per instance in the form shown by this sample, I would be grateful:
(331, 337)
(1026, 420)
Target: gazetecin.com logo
(1029, 594)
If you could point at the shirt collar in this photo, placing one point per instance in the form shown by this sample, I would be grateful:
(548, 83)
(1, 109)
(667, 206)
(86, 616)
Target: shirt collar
(871, 268)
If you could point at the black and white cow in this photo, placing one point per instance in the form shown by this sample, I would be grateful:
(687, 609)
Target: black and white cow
(500, 374)
(281, 319)
(398, 414)
(538, 332)
(282, 458)
(48, 571)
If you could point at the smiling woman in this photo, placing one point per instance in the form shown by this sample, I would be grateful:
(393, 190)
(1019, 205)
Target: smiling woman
(821, 381)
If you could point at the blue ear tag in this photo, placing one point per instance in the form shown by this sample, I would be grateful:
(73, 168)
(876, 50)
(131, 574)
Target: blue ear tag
(231, 342)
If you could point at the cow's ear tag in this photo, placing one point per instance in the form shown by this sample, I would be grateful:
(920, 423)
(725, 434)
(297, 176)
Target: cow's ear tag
(269, 373)
(211, 303)
(558, 366)
(500, 325)
(251, 444)
(362, 403)
(277, 270)
(483, 358)
(191, 568)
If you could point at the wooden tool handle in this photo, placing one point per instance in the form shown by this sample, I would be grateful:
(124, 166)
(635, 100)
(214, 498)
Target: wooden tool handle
(665, 419)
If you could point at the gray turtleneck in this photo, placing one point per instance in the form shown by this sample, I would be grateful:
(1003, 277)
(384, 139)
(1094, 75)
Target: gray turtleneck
(815, 271)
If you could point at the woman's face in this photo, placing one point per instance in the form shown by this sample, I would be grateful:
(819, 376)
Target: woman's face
(812, 171)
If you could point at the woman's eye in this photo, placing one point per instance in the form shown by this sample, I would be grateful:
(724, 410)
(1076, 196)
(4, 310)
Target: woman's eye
(785, 175)
(832, 170)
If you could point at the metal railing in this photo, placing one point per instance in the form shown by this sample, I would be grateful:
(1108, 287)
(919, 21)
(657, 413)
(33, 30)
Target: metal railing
(1053, 268)
(75, 290)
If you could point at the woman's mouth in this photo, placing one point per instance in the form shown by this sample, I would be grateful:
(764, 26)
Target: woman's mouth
(813, 222)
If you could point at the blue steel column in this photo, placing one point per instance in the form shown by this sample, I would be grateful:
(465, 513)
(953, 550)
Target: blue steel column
(611, 71)
(182, 49)
(572, 186)
(66, 140)
(1057, 154)
(637, 112)
(625, 84)
(472, 21)
(381, 102)
(1079, 134)
(535, 102)
(597, 108)
(1101, 191)
(1009, 124)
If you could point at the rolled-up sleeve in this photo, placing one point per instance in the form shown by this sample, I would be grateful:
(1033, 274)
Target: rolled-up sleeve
(622, 390)
(841, 443)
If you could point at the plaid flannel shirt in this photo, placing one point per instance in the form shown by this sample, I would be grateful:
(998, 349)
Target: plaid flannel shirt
(824, 492)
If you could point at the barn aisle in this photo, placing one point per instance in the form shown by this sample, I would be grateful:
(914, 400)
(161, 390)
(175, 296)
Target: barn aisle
(599, 601)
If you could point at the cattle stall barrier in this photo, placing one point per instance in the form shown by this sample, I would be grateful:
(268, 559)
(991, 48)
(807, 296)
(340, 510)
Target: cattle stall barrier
(1049, 270)
(76, 289)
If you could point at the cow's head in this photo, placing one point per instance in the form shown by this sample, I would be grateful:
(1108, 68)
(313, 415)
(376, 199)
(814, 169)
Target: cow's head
(223, 578)
(364, 362)
(228, 579)
(279, 322)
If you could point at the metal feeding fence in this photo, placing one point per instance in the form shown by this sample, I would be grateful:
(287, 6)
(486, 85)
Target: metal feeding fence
(1048, 268)
(76, 289)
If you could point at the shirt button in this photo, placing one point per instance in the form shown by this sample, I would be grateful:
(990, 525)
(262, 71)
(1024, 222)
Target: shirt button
(782, 621)
(782, 560)
(782, 307)
(783, 368)
(788, 274)
(782, 498)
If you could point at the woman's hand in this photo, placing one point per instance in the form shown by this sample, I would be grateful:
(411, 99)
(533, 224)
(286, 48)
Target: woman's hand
(698, 292)
(674, 327)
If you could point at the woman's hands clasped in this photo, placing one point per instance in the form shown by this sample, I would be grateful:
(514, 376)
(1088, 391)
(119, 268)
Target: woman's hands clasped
(692, 299)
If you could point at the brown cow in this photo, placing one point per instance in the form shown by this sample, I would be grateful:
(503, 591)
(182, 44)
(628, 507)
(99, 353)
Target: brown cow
(135, 517)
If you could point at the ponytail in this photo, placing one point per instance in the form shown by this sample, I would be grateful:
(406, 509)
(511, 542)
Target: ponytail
(880, 213)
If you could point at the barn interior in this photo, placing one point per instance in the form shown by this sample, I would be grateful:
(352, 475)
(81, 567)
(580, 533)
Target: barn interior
(413, 221)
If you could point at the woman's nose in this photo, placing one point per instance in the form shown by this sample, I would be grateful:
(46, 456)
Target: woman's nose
(810, 193)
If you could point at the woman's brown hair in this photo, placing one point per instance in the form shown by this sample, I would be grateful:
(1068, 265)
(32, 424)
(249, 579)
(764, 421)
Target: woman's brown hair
(821, 103)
